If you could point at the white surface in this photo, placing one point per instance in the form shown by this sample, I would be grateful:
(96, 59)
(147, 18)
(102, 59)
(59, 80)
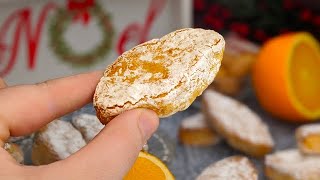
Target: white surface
(176, 14)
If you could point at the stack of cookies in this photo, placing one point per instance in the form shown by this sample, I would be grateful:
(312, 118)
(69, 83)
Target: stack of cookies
(60, 139)
(236, 123)
(225, 118)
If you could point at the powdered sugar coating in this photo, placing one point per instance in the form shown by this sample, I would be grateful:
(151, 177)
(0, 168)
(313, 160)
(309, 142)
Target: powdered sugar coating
(196, 121)
(62, 138)
(231, 168)
(89, 125)
(165, 75)
(309, 129)
(292, 163)
(15, 151)
(237, 118)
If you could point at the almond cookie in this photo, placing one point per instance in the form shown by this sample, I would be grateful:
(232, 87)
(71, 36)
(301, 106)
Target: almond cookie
(89, 125)
(56, 141)
(292, 165)
(231, 168)
(308, 138)
(194, 130)
(241, 127)
(165, 75)
(15, 151)
(236, 65)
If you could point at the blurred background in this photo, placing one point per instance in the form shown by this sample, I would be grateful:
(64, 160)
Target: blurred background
(43, 39)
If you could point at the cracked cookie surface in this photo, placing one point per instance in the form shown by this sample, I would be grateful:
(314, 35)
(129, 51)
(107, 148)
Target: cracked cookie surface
(230, 168)
(165, 75)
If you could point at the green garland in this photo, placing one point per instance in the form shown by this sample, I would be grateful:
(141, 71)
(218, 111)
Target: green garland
(64, 51)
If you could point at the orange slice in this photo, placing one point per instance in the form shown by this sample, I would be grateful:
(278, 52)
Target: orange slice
(286, 77)
(148, 166)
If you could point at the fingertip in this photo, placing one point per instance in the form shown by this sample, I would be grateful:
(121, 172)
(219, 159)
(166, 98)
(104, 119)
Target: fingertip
(146, 120)
(148, 123)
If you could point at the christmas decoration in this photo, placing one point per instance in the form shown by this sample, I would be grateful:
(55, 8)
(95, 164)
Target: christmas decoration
(20, 21)
(79, 11)
(258, 20)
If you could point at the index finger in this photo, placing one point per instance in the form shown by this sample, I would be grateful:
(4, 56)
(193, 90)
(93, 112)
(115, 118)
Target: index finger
(27, 108)
(3, 84)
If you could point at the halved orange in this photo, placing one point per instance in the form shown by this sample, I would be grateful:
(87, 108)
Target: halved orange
(148, 166)
(286, 77)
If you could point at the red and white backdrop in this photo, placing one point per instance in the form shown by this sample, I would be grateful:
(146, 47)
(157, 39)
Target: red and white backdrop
(42, 39)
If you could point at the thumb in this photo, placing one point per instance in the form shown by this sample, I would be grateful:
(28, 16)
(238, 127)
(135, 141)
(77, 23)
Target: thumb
(113, 151)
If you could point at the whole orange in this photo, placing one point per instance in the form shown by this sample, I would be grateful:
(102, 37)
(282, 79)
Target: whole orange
(286, 77)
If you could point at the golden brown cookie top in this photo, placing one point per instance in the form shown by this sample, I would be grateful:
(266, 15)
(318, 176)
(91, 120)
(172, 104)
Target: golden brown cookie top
(165, 74)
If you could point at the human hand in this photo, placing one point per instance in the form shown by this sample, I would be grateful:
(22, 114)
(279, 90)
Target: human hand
(26, 108)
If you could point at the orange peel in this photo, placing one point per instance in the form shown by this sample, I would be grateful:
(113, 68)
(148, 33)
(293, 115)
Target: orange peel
(286, 77)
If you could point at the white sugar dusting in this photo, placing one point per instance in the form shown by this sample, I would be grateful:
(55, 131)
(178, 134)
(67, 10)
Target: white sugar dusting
(196, 121)
(190, 58)
(237, 118)
(231, 168)
(291, 162)
(89, 125)
(309, 129)
(62, 138)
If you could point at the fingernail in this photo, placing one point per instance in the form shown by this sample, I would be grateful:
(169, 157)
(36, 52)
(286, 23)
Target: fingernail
(148, 123)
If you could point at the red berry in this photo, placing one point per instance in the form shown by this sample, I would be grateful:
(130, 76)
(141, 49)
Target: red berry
(316, 21)
(284, 31)
(208, 19)
(217, 24)
(241, 28)
(225, 13)
(288, 4)
(214, 23)
(260, 35)
(199, 5)
(214, 9)
(305, 15)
